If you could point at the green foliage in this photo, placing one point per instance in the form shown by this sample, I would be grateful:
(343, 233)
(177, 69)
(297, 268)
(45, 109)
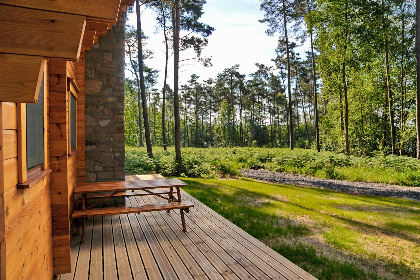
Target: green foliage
(216, 162)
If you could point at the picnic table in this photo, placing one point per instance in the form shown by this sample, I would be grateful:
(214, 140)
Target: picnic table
(105, 191)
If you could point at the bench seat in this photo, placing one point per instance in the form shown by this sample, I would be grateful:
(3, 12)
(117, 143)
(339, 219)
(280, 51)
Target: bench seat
(128, 210)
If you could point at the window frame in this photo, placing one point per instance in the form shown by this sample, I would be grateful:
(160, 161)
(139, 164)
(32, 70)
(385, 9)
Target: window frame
(28, 177)
(73, 90)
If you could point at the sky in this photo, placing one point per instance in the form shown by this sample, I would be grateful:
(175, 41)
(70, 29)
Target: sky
(238, 39)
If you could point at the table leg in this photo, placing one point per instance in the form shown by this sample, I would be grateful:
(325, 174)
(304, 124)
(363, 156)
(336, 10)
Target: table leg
(184, 227)
(171, 197)
(178, 192)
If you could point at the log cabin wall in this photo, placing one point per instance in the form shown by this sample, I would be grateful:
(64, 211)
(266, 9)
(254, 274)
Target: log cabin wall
(27, 212)
(59, 158)
(35, 221)
(80, 79)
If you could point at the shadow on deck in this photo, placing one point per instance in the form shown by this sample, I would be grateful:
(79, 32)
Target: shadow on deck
(153, 246)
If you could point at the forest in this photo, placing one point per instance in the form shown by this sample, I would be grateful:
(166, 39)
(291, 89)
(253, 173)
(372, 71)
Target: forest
(339, 105)
(353, 91)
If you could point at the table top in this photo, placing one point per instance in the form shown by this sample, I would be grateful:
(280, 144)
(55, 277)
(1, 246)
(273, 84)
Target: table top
(118, 186)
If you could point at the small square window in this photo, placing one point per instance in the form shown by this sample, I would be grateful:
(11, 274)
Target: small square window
(35, 131)
(32, 136)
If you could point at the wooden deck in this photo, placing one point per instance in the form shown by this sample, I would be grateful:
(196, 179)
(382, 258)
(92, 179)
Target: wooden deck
(153, 246)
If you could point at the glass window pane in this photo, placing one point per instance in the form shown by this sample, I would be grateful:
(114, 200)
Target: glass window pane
(35, 130)
(73, 120)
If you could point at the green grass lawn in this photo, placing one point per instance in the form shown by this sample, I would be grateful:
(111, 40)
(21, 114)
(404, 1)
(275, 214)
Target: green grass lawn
(329, 234)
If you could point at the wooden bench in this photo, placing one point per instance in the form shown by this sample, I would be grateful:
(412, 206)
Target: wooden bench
(103, 191)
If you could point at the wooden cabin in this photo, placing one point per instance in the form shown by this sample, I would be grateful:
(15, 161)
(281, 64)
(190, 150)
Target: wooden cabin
(42, 119)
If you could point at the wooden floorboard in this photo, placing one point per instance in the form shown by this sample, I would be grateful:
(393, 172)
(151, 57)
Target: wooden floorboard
(153, 246)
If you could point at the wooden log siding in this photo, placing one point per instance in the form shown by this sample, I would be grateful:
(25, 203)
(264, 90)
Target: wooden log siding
(34, 223)
(59, 164)
(80, 80)
(26, 222)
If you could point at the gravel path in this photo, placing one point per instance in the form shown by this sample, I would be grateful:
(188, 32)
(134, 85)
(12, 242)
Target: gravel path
(412, 193)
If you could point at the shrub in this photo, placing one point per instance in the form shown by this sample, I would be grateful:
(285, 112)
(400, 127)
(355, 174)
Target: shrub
(214, 162)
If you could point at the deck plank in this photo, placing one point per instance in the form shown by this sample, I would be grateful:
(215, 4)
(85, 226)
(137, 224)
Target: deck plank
(82, 266)
(159, 256)
(254, 244)
(191, 264)
(123, 265)
(151, 267)
(96, 269)
(136, 263)
(224, 264)
(110, 265)
(176, 262)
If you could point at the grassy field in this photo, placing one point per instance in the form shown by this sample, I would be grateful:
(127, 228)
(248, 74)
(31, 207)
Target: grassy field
(329, 234)
(212, 162)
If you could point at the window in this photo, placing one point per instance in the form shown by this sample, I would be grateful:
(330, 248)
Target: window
(35, 131)
(73, 91)
(32, 136)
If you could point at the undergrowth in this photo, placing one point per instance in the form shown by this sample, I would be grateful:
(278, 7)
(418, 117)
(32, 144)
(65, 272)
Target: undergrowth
(216, 162)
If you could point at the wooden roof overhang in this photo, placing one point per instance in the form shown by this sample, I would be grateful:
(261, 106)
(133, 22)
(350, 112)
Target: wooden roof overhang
(34, 30)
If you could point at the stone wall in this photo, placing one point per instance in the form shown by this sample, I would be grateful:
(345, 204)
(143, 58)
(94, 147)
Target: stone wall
(105, 154)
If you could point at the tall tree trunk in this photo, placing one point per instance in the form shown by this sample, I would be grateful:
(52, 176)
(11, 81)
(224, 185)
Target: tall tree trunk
(388, 85)
(196, 119)
(211, 134)
(140, 121)
(341, 108)
(403, 52)
(178, 155)
(232, 99)
(304, 119)
(154, 124)
(142, 86)
(318, 148)
(241, 131)
(297, 104)
(289, 84)
(164, 141)
(418, 76)
(346, 103)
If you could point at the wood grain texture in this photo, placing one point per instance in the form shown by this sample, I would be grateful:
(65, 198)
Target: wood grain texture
(59, 164)
(20, 75)
(127, 185)
(2, 208)
(80, 114)
(106, 10)
(9, 115)
(26, 213)
(10, 140)
(40, 33)
(129, 210)
(22, 155)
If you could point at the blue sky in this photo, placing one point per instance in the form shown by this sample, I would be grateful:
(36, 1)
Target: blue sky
(238, 39)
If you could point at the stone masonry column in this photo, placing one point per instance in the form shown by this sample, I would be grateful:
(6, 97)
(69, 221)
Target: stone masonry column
(105, 152)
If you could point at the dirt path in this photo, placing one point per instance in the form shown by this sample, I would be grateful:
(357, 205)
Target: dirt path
(377, 189)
